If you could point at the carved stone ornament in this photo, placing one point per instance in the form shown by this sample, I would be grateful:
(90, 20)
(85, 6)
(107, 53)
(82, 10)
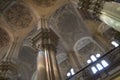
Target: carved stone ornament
(44, 3)
(4, 38)
(18, 16)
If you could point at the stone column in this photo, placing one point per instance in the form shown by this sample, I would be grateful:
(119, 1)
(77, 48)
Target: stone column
(54, 63)
(41, 66)
(45, 41)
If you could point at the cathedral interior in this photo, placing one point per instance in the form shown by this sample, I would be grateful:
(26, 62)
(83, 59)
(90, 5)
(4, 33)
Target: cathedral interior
(59, 39)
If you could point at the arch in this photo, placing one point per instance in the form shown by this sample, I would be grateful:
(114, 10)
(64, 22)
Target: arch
(80, 45)
(87, 40)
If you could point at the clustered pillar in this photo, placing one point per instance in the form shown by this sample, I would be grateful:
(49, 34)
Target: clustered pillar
(45, 41)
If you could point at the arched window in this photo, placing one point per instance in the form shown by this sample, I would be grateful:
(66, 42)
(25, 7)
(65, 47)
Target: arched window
(93, 58)
(114, 43)
(98, 66)
(104, 63)
(68, 74)
(71, 72)
(94, 70)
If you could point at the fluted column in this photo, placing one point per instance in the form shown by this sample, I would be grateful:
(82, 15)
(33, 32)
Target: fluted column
(55, 65)
(41, 66)
(45, 41)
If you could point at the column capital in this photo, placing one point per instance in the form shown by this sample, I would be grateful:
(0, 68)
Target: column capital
(45, 36)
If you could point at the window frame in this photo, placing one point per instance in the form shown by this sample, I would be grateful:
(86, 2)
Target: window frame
(99, 62)
(71, 71)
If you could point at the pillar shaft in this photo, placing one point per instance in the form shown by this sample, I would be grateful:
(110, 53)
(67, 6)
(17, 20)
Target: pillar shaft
(41, 66)
(55, 65)
(46, 41)
(49, 66)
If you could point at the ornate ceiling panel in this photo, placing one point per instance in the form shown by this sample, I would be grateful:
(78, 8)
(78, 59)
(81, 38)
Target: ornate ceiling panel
(4, 38)
(18, 16)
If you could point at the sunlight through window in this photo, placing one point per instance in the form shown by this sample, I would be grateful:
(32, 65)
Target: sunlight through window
(72, 71)
(89, 61)
(93, 58)
(94, 70)
(99, 66)
(68, 74)
(104, 63)
(97, 55)
(114, 43)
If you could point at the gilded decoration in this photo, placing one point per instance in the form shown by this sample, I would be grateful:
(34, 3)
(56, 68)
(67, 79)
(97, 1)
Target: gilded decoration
(18, 16)
(44, 3)
(4, 38)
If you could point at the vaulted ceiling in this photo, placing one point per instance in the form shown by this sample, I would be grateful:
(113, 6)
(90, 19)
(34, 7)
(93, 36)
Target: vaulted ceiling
(19, 20)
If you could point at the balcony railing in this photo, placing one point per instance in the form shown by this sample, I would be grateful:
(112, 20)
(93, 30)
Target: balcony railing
(112, 57)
